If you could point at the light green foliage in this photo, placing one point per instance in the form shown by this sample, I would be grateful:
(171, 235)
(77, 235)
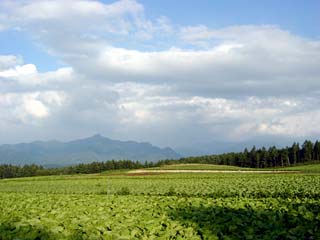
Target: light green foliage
(172, 206)
(200, 167)
(311, 168)
(184, 184)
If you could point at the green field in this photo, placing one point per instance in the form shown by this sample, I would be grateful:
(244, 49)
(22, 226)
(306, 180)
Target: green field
(161, 206)
(199, 167)
(311, 168)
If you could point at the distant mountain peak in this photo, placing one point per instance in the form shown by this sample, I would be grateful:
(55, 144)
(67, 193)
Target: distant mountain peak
(94, 138)
(86, 150)
(97, 136)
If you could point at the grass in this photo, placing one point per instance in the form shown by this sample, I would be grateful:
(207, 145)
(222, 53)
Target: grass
(311, 168)
(196, 167)
(115, 172)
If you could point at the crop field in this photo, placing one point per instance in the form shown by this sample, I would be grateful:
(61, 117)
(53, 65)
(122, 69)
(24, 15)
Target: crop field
(162, 206)
(199, 167)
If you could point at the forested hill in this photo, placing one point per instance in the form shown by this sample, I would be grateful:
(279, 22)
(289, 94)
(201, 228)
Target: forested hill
(309, 152)
(260, 158)
(87, 150)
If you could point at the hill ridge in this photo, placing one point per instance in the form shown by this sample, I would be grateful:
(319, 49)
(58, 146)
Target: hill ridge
(84, 150)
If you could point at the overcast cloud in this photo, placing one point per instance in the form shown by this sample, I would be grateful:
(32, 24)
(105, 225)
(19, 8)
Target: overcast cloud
(130, 77)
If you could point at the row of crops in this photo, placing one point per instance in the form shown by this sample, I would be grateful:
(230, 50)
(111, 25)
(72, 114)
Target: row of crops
(173, 206)
(191, 184)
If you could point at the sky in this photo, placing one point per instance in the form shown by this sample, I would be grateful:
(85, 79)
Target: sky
(199, 76)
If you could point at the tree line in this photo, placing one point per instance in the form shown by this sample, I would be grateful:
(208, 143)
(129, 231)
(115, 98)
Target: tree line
(12, 171)
(260, 157)
(308, 152)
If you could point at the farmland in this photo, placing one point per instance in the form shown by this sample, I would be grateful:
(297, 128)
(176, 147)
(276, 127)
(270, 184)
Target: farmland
(124, 205)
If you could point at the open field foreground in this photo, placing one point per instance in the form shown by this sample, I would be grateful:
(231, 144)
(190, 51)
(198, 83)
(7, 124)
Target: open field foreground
(162, 206)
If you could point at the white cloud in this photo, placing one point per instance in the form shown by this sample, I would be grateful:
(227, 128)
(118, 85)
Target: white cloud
(17, 71)
(60, 10)
(28, 74)
(165, 63)
(8, 61)
(238, 60)
(240, 68)
(228, 83)
(120, 17)
(28, 108)
(295, 125)
(35, 108)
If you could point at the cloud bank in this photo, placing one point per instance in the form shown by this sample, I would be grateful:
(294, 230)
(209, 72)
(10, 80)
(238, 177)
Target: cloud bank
(128, 76)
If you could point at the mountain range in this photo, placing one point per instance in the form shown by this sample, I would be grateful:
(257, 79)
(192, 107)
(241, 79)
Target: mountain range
(95, 148)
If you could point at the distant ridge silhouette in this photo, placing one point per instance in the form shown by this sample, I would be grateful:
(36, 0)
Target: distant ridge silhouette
(86, 150)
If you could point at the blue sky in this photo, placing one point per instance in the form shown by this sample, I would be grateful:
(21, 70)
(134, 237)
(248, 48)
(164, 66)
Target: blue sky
(298, 16)
(188, 74)
(18, 43)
